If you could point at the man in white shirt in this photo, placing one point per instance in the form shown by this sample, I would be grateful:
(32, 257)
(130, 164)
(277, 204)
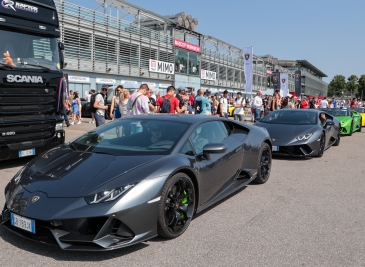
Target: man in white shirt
(100, 107)
(257, 106)
(239, 104)
(223, 105)
(324, 103)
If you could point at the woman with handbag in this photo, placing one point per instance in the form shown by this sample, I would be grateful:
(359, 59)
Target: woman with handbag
(115, 110)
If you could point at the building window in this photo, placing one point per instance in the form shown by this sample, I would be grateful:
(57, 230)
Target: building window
(187, 62)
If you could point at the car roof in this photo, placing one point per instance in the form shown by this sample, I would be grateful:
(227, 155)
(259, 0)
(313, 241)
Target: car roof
(299, 110)
(187, 118)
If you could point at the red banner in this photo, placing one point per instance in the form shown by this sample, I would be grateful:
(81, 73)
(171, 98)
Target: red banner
(187, 46)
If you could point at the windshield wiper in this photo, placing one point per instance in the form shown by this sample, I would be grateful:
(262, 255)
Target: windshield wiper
(72, 146)
(35, 65)
(5, 66)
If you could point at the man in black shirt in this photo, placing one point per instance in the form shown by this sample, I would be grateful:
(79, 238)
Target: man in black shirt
(152, 101)
(179, 96)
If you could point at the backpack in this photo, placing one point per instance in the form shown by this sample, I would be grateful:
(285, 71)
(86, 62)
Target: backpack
(92, 101)
(198, 106)
(166, 105)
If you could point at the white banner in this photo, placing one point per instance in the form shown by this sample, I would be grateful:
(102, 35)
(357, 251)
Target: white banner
(78, 79)
(208, 75)
(247, 59)
(162, 67)
(105, 81)
(284, 84)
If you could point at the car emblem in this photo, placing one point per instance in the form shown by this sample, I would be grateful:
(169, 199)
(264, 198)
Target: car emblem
(35, 199)
(273, 139)
(46, 91)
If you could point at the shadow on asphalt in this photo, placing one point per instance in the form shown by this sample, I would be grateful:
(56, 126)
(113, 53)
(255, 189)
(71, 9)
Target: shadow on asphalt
(64, 255)
(7, 164)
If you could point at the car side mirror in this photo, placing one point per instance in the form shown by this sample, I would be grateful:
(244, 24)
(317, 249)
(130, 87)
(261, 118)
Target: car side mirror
(330, 123)
(214, 148)
(61, 48)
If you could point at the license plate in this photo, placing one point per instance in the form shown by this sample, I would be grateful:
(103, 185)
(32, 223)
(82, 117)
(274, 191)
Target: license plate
(22, 223)
(275, 148)
(26, 153)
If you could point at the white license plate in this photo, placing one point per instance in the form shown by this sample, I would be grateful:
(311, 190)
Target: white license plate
(26, 153)
(275, 148)
(22, 223)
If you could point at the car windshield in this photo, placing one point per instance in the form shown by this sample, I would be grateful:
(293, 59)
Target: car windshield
(293, 117)
(337, 111)
(361, 110)
(132, 137)
(25, 51)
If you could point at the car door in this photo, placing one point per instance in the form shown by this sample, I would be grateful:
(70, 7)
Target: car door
(216, 172)
(356, 118)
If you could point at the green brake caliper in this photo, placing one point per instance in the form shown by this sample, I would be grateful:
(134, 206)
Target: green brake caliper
(183, 201)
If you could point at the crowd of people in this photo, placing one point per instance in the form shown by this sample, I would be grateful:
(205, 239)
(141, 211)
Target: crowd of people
(143, 101)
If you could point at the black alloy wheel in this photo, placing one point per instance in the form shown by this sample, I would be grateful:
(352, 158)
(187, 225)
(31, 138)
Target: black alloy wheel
(338, 139)
(176, 206)
(360, 127)
(264, 164)
(322, 142)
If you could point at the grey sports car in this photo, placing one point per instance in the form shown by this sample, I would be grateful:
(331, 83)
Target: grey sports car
(133, 179)
(301, 132)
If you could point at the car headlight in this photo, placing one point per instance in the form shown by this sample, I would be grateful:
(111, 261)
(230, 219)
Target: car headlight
(108, 195)
(304, 137)
(343, 122)
(59, 126)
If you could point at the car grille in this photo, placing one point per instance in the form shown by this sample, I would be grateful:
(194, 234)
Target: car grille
(301, 150)
(28, 103)
(78, 234)
(31, 132)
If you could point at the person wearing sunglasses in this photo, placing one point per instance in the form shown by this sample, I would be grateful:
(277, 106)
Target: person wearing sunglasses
(100, 106)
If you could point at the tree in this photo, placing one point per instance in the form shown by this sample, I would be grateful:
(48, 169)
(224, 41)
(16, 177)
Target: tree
(351, 85)
(361, 86)
(337, 86)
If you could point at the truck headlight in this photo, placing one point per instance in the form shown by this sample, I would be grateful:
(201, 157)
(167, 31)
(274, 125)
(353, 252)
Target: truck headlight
(59, 126)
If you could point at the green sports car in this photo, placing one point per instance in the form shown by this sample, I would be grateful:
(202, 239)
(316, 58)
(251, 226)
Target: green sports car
(351, 120)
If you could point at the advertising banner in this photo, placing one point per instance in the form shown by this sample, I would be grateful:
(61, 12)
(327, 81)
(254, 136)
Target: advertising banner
(284, 84)
(247, 58)
(208, 75)
(188, 46)
(161, 67)
(298, 82)
(276, 80)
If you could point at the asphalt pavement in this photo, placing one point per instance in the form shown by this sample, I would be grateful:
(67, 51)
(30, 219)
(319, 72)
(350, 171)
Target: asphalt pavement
(311, 212)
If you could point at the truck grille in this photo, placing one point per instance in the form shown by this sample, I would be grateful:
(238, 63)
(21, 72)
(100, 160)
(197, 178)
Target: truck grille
(23, 103)
(24, 133)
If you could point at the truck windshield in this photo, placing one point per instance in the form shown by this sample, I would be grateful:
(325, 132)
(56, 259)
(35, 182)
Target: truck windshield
(25, 51)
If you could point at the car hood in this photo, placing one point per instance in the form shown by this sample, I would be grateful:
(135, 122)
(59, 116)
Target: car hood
(284, 134)
(68, 173)
(343, 118)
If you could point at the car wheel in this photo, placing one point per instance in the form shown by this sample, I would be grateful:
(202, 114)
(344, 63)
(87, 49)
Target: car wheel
(360, 127)
(264, 164)
(176, 206)
(351, 128)
(338, 139)
(322, 142)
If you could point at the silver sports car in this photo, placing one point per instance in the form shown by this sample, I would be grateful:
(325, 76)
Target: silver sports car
(133, 179)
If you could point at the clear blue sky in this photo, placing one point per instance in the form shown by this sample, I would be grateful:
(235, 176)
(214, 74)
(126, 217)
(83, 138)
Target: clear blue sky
(327, 33)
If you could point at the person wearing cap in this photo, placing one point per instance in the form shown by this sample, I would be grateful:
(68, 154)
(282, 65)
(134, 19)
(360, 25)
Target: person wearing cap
(100, 106)
(180, 96)
(239, 105)
(223, 105)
